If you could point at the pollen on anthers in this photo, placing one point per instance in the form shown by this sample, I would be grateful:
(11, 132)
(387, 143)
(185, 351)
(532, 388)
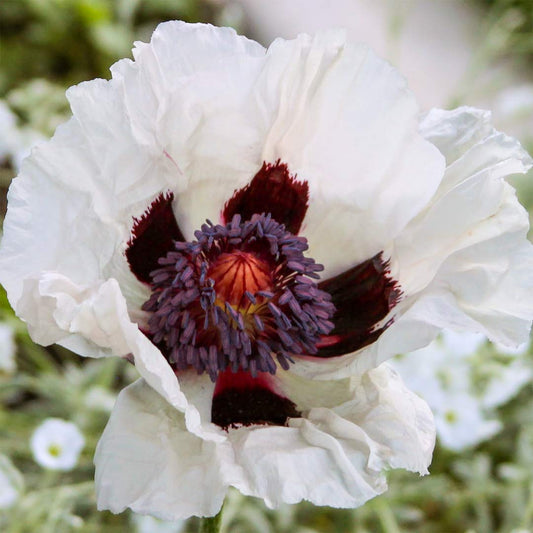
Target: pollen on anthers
(242, 296)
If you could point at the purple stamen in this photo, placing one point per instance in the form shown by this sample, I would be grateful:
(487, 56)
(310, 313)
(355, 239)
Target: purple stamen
(239, 296)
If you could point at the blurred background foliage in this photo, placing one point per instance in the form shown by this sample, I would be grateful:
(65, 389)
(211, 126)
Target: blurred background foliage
(516, 17)
(48, 45)
(67, 41)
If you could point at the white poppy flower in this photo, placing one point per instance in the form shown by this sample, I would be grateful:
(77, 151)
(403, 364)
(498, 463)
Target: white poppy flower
(308, 157)
(56, 444)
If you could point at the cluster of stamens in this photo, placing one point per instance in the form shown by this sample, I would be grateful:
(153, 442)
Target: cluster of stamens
(241, 296)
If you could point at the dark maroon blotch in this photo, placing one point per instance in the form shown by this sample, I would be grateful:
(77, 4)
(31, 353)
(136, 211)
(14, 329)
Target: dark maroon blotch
(240, 398)
(363, 296)
(272, 190)
(152, 237)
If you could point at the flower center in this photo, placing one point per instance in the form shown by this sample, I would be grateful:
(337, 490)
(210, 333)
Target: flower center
(237, 273)
(54, 450)
(241, 296)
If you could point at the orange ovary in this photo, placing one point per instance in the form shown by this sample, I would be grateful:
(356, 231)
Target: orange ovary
(238, 272)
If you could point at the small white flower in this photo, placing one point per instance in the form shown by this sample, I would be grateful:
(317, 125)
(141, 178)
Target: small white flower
(509, 379)
(516, 101)
(15, 142)
(74, 521)
(443, 374)
(11, 483)
(461, 422)
(56, 444)
(514, 110)
(8, 132)
(7, 348)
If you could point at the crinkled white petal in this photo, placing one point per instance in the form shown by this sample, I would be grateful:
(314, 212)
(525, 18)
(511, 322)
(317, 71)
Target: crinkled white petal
(377, 424)
(464, 262)
(71, 209)
(181, 101)
(472, 203)
(470, 243)
(344, 120)
(93, 321)
(197, 78)
(334, 455)
(147, 460)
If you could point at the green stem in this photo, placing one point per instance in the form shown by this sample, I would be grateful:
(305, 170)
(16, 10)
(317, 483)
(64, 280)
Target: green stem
(386, 516)
(211, 524)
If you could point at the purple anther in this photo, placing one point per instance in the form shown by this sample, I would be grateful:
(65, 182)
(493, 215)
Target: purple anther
(241, 311)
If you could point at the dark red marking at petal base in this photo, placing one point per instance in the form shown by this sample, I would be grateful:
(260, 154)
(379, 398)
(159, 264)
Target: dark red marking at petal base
(152, 237)
(241, 399)
(363, 296)
(272, 190)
